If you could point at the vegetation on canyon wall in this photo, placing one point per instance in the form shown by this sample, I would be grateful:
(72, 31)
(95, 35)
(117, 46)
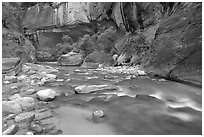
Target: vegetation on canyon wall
(165, 38)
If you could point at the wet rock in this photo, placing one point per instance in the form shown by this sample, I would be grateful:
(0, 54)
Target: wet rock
(11, 130)
(98, 114)
(60, 80)
(93, 88)
(148, 98)
(11, 79)
(36, 128)
(162, 80)
(46, 95)
(29, 133)
(26, 103)
(70, 59)
(13, 97)
(11, 107)
(25, 117)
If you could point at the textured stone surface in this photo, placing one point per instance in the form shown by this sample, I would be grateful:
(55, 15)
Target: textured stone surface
(46, 94)
(11, 107)
(25, 117)
(26, 103)
(177, 48)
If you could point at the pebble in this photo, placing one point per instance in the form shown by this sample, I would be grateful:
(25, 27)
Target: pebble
(98, 114)
(6, 82)
(29, 133)
(60, 80)
(162, 79)
(14, 87)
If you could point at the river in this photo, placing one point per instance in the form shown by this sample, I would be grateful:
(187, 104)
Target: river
(140, 105)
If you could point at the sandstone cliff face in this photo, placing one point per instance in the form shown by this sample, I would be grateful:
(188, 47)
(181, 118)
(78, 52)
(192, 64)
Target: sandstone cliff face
(40, 16)
(177, 47)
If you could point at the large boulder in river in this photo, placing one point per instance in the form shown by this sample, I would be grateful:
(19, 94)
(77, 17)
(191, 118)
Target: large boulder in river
(70, 59)
(46, 94)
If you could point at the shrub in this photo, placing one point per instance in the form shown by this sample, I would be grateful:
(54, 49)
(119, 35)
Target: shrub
(65, 46)
(131, 43)
(106, 40)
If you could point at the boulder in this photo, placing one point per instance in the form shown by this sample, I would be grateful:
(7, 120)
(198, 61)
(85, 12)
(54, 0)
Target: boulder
(93, 88)
(46, 94)
(11, 130)
(11, 107)
(25, 117)
(26, 103)
(70, 59)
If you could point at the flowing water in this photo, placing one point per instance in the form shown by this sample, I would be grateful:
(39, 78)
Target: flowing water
(161, 107)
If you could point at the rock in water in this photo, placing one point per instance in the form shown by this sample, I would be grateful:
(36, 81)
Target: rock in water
(11, 130)
(26, 103)
(46, 95)
(11, 107)
(98, 114)
(25, 117)
(70, 59)
(36, 128)
(92, 88)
